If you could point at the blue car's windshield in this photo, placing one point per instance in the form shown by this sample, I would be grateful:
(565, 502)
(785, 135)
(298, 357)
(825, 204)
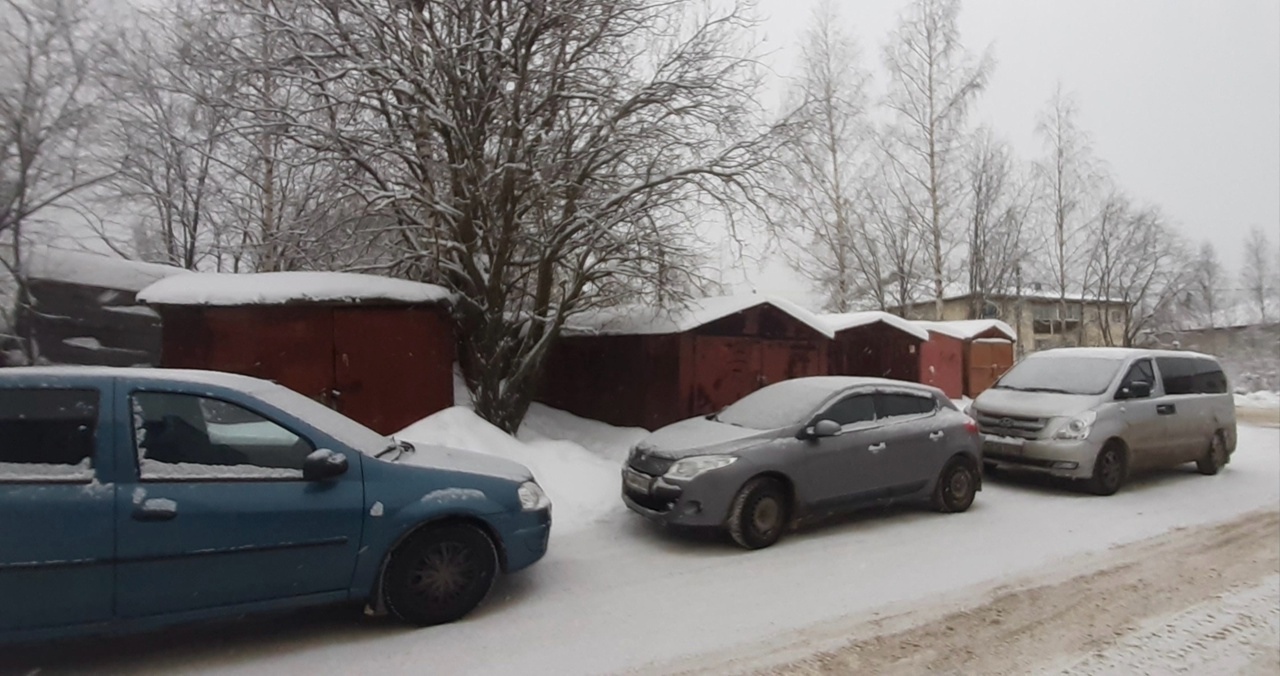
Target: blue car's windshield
(329, 421)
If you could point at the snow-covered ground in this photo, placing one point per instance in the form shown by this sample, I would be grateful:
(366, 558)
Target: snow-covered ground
(616, 593)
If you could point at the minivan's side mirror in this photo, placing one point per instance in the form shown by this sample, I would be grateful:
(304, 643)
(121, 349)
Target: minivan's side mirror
(823, 428)
(324, 464)
(1138, 389)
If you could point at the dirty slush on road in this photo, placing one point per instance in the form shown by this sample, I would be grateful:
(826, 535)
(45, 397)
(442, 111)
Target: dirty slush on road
(1129, 606)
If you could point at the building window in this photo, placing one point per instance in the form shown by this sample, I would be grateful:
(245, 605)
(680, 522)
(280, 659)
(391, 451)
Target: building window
(1117, 316)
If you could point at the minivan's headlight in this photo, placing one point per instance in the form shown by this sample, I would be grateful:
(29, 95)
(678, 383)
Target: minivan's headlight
(689, 468)
(1077, 427)
(532, 497)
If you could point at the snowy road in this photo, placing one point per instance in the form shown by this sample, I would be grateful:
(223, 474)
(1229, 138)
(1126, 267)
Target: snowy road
(620, 595)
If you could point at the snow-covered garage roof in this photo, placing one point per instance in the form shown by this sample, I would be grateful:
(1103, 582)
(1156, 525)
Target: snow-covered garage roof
(281, 288)
(968, 329)
(848, 320)
(649, 320)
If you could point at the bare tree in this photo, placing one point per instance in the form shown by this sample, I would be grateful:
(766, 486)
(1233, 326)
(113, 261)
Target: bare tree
(999, 206)
(49, 104)
(1207, 284)
(1257, 277)
(933, 82)
(824, 165)
(1137, 260)
(1070, 179)
(540, 158)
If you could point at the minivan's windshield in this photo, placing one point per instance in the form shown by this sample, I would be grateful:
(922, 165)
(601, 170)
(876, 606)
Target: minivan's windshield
(782, 404)
(1064, 375)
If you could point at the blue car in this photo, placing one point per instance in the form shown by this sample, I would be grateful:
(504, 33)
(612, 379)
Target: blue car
(136, 498)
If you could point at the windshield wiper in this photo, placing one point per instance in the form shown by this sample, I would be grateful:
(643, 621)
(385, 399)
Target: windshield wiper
(1051, 390)
(397, 446)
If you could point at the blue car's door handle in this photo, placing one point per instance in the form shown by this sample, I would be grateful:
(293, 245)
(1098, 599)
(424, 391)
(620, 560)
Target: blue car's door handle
(155, 510)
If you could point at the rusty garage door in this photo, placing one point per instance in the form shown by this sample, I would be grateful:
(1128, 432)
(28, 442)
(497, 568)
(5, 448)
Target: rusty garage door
(729, 368)
(988, 360)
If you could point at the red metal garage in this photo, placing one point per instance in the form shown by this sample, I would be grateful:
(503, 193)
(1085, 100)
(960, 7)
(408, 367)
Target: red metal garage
(642, 367)
(876, 344)
(986, 350)
(379, 350)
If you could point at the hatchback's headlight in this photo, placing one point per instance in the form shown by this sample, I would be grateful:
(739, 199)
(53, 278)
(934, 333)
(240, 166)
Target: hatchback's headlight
(1077, 427)
(689, 468)
(532, 497)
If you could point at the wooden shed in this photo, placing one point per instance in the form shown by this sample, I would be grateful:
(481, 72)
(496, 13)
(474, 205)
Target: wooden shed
(987, 350)
(942, 362)
(876, 344)
(378, 350)
(641, 367)
(83, 308)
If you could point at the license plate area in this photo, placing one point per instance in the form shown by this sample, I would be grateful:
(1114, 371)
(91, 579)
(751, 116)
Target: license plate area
(636, 482)
(1003, 445)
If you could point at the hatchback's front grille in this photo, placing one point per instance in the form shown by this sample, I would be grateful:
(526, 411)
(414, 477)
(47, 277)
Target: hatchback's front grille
(653, 465)
(1010, 426)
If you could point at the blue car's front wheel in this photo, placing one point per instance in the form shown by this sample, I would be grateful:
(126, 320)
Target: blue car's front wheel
(439, 574)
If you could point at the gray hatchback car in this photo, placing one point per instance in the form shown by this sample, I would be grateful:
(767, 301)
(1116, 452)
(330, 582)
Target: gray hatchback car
(806, 448)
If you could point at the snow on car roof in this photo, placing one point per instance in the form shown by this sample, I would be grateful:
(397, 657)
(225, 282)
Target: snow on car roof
(1115, 353)
(968, 329)
(650, 320)
(280, 288)
(848, 320)
(96, 270)
(199, 377)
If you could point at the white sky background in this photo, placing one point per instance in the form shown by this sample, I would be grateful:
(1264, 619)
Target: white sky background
(1181, 97)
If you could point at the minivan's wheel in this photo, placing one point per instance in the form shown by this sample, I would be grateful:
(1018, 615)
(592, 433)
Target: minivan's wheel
(1109, 470)
(759, 513)
(1215, 457)
(439, 574)
(956, 486)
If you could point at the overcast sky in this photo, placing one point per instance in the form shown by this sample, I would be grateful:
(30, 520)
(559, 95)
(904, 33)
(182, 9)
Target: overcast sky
(1181, 97)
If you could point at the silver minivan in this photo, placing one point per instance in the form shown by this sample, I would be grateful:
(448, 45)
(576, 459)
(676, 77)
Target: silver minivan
(1098, 414)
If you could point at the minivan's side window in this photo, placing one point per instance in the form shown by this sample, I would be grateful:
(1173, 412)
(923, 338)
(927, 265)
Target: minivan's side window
(47, 435)
(859, 408)
(1178, 374)
(890, 405)
(183, 437)
(1209, 377)
(1140, 372)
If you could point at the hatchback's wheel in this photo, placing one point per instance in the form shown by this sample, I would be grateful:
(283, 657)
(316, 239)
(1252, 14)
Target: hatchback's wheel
(439, 574)
(759, 513)
(1109, 470)
(1215, 457)
(956, 487)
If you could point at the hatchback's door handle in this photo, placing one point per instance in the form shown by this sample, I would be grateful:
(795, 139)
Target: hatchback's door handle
(936, 435)
(1166, 409)
(155, 510)
(876, 448)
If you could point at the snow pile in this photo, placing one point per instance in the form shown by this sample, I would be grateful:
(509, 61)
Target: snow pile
(848, 320)
(96, 270)
(1262, 399)
(544, 423)
(582, 485)
(633, 320)
(279, 288)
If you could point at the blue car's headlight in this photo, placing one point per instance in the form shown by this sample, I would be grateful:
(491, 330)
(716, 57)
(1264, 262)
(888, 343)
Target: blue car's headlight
(532, 497)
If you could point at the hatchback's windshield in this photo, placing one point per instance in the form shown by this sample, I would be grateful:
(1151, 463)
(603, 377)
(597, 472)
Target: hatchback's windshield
(1066, 375)
(782, 404)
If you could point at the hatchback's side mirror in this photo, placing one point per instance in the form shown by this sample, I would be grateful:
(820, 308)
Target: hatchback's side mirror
(823, 428)
(323, 464)
(1138, 389)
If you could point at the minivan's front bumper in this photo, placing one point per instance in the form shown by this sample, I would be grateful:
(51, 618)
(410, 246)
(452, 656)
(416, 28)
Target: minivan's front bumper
(1071, 459)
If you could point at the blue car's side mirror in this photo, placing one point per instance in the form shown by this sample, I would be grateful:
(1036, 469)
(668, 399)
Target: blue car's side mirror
(324, 464)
